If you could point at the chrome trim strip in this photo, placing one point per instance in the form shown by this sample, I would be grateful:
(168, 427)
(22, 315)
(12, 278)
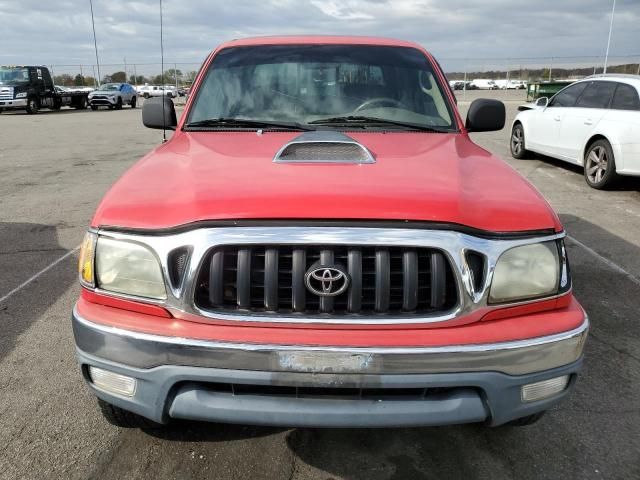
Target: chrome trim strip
(453, 244)
(145, 350)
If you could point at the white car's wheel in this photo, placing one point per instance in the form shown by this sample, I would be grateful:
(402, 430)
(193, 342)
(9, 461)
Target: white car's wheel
(516, 143)
(600, 165)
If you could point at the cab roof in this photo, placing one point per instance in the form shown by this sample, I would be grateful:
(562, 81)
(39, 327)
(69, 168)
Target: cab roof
(319, 40)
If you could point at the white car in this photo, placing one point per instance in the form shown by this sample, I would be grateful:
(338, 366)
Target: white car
(147, 91)
(594, 123)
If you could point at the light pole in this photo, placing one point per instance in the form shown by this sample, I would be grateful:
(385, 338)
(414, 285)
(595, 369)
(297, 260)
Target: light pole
(95, 43)
(606, 55)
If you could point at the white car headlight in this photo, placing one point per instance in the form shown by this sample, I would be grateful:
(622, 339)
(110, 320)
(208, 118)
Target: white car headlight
(129, 268)
(21, 95)
(529, 271)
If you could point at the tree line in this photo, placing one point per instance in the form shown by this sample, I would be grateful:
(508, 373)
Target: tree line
(170, 77)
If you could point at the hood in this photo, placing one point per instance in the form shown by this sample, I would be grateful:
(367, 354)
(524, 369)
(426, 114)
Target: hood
(416, 176)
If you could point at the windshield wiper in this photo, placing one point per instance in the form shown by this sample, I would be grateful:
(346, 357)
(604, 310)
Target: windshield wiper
(362, 120)
(246, 123)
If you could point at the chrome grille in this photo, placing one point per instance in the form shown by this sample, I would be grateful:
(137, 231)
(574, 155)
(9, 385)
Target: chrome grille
(384, 280)
(6, 93)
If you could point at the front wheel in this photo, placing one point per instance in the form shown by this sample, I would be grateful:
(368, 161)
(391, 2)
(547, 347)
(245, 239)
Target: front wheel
(119, 104)
(133, 102)
(600, 165)
(517, 142)
(82, 104)
(32, 106)
(146, 95)
(123, 418)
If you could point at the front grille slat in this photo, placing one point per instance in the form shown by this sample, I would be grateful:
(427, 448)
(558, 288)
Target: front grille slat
(326, 303)
(298, 288)
(243, 282)
(438, 279)
(271, 279)
(383, 280)
(409, 281)
(216, 278)
(354, 265)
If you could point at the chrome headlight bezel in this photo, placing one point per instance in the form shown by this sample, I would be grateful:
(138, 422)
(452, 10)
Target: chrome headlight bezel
(122, 268)
(533, 271)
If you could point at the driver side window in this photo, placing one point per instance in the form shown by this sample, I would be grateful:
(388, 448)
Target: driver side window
(568, 96)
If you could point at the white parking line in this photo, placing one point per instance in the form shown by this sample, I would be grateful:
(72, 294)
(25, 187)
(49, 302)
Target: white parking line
(606, 261)
(44, 270)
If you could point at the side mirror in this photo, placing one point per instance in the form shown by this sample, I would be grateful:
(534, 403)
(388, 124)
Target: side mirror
(542, 102)
(155, 116)
(485, 115)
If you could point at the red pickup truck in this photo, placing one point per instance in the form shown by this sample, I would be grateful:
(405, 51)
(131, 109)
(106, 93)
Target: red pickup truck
(321, 244)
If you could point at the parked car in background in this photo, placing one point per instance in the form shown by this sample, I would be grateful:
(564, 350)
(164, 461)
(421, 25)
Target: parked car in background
(484, 84)
(113, 95)
(321, 244)
(594, 123)
(147, 91)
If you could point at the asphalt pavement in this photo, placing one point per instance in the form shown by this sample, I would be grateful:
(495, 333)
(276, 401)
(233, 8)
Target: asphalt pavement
(55, 167)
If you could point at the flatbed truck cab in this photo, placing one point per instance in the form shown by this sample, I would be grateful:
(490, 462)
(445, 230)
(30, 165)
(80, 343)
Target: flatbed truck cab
(31, 88)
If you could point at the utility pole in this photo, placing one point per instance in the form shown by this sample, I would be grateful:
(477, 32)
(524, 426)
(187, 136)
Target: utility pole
(95, 43)
(175, 75)
(606, 55)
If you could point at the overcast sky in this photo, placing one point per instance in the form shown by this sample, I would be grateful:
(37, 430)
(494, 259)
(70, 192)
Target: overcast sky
(59, 31)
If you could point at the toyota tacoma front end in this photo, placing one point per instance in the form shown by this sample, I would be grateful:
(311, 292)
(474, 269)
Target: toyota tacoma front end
(321, 244)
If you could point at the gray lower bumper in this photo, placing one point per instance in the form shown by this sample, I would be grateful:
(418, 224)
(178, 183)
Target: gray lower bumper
(20, 103)
(175, 378)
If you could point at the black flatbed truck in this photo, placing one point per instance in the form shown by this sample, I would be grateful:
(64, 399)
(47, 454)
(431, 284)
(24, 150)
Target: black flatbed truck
(31, 88)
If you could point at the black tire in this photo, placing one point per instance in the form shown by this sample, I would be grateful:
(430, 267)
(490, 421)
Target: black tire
(146, 95)
(134, 100)
(119, 104)
(94, 107)
(32, 106)
(600, 165)
(517, 142)
(123, 418)
(82, 104)
(524, 421)
(57, 105)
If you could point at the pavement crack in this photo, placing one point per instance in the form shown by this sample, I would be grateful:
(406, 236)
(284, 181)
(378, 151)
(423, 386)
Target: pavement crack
(613, 347)
(35, 250)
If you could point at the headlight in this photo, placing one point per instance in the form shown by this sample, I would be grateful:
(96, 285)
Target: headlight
(129, 268)
(21, 95)
(524, 272)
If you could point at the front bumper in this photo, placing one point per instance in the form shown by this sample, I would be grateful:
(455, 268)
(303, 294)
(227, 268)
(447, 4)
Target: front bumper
(103, 101)
(181, 378)
(18, 103)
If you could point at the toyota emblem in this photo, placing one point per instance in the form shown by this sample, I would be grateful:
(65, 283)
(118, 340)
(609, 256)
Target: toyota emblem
(326, 281)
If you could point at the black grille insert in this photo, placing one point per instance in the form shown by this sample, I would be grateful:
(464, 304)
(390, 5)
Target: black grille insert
(326, 393)
(270, 279)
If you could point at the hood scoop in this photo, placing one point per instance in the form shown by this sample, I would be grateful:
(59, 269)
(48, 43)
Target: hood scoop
(322, 146)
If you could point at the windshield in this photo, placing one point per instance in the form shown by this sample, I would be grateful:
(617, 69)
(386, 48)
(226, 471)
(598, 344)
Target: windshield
(110, 86)
(13, 76)
(313, 83)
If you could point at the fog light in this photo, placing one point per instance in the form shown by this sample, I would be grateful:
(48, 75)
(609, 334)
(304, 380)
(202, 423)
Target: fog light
(544, 389)
(112, 382)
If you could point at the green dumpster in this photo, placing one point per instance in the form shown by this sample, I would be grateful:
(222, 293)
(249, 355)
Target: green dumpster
(536, 90)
